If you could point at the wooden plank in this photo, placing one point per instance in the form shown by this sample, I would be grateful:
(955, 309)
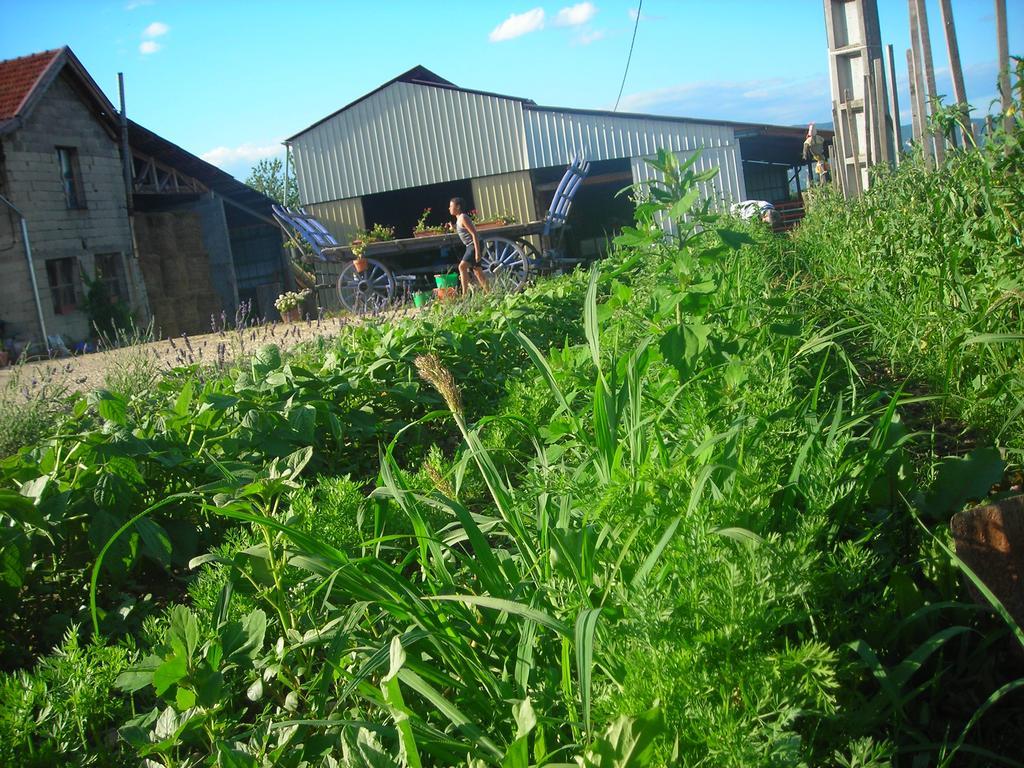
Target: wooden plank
(1003, 55)
(851, 129)
(881, 104)
(915, 118)
(956, 71)
(918, 89)
(838, 165)
(870, 135)
(929, 77)
(894, 107)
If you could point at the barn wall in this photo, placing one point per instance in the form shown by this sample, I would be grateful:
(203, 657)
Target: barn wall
(341, 217)
(408, 135)
(506, 193)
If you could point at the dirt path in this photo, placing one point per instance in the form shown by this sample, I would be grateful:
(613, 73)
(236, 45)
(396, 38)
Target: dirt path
(88, 372)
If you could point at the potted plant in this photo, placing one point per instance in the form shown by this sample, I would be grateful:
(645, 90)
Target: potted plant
(423, 229)
(359, 262)
(481, 221)
(378, 233)
(289, 303)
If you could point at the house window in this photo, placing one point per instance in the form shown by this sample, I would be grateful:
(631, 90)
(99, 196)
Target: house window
(109, 271)
(71, 177)
(60, 273)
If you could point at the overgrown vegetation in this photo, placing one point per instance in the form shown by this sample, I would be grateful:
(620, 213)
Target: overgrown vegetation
(687, 508)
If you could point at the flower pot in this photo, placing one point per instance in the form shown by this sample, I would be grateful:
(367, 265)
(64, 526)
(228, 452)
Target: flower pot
(429, 233)
(292, 315)
(359, 264)
(490, 224)
(421, 298)
(446, 294)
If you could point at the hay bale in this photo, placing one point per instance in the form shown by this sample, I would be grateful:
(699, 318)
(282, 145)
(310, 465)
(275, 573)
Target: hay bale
(177, 281)
(198, 267)
(188, 230)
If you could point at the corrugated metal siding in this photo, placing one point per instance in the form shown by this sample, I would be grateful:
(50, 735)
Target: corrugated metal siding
(553, 137)
(727, 187)
(341, 217)
(408, 136)
(506, 193)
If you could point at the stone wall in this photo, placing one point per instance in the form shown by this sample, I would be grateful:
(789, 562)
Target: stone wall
(31, 179)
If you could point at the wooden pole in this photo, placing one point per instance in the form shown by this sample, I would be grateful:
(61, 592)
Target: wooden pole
(880, 103)
(956, 71)
(918, 88)
(894, 106)
(871, 149)
(851, 127)
(1003, 46)
(839, 169)
(915, 119)
(929, 77)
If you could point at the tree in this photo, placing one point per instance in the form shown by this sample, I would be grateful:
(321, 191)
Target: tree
(267, 176)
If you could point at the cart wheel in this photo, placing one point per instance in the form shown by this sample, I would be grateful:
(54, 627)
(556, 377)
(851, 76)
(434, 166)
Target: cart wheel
(533, 257)
(504, 259)
(371, 289)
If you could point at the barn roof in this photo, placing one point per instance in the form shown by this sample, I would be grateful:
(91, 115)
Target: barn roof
(224, 184)
(418, 75)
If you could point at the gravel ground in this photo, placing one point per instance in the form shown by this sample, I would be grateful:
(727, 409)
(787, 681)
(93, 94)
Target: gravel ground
(88, 372)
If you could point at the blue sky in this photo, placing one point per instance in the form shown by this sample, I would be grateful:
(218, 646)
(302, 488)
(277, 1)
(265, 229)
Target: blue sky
(228, 80)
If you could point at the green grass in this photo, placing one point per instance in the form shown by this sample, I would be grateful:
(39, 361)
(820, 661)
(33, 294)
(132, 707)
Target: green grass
(688, 508)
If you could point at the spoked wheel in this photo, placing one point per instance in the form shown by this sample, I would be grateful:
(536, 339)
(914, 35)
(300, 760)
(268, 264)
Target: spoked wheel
(504, 260)
(371, 289)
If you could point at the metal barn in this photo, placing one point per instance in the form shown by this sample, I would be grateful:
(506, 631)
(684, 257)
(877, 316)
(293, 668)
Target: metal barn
(419, 139)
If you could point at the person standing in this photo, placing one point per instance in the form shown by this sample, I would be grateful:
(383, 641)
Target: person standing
(469, 266)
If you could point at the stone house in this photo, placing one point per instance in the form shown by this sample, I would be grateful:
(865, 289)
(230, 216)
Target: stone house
(188, 242)
(61, 167)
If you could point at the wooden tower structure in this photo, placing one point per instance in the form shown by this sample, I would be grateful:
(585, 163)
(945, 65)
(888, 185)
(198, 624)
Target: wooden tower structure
(860, 102)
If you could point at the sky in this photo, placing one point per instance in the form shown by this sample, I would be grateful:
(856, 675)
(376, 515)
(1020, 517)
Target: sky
(229, 80)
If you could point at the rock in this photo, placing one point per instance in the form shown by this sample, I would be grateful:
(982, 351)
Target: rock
(990, 540)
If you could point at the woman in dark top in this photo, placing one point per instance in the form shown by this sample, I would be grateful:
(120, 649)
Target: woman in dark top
(470, 263)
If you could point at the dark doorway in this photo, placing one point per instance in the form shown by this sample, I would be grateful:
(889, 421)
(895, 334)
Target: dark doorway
(402, 208)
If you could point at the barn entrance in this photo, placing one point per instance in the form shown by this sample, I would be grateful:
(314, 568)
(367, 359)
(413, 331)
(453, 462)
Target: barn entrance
(402, 208)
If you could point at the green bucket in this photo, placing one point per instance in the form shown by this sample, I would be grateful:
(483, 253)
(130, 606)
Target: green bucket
(421, 298)
(449, 280)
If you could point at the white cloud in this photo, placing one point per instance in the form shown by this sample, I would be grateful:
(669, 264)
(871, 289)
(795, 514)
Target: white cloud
(772, 100)
(574, 15)
(156, 29)
(589, 36)
(148, 47)
(518, 24)
(225, 157)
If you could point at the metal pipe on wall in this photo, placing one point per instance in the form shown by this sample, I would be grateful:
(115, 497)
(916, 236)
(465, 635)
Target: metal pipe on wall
(31, 269)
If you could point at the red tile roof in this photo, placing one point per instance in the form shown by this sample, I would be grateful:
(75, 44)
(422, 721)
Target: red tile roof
(18, 78)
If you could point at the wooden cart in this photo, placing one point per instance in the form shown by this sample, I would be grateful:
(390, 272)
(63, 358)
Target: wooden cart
(390, 270)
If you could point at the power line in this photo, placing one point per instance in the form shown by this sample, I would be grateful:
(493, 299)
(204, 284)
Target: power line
(636, 24)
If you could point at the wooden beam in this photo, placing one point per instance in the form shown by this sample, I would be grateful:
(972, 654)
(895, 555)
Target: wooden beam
(929, 77)
(851, 127)
(894, 107)
(918, 87)
(956, 71)
(1003, 50)
(879, 104)
(915, 118)
(838, 164)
